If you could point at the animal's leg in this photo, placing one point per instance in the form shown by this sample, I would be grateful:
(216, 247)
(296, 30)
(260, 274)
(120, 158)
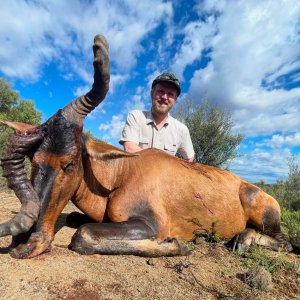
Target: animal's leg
(93, 207)
(132, 237)
(250, 237)
(263, 212)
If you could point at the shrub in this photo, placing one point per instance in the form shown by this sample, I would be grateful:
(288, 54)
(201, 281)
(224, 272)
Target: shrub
(291, 226)
(272, 262)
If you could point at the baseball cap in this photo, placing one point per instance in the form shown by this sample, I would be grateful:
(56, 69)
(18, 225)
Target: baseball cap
(169, 78)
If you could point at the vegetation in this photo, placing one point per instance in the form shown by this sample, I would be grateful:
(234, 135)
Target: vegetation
(258, 256)
(291, 226)
(88, 134)
(210, 130)
(287, 193)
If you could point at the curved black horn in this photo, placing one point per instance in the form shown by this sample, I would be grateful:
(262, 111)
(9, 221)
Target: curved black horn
(13, 169)
(83, 105)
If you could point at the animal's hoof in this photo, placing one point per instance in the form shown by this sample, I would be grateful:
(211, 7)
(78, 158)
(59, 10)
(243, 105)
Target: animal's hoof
(288, 247)
(79, 243)
(81, 248)
(244, 240)
(182, 248)
(36, 245)
(284, 243)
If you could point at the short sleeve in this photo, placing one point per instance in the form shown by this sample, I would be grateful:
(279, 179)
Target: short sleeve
(186, 149)
(130, 131)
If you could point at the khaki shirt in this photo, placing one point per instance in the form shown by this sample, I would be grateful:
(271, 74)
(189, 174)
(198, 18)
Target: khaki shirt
(173, 137)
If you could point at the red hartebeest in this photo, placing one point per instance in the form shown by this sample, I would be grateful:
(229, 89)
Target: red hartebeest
(150, 202)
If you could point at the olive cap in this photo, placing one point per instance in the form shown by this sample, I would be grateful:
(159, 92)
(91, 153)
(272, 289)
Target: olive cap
(169, 78)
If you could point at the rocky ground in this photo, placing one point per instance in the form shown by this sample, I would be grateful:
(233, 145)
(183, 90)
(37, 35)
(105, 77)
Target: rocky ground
(212, 271)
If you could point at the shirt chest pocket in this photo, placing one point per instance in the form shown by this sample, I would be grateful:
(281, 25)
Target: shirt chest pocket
(170, 148)
(144, 143)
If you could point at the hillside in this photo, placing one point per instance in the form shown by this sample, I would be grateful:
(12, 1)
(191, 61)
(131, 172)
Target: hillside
(211, 272)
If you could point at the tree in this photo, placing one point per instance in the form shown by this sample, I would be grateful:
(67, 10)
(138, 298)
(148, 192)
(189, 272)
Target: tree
(210, 129)
(286, 192)
(292, 196)
(8, 97)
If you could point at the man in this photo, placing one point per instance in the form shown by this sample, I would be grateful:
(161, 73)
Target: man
(156, 128)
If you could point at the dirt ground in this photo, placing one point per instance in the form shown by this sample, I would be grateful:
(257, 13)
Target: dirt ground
(211, 272)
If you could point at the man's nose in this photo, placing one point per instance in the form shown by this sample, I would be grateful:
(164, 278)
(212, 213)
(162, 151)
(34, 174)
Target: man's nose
(164, 96)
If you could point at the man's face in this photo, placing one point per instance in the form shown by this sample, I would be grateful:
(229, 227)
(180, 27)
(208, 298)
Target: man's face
(163, 97)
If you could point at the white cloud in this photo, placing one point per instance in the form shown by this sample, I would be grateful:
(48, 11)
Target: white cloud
(35, 33)
(138, 100)
(115, 80)
(81, 90)
(262, 165)
(278, 140)
(98, 111)
(255, 123)
(255, 43)
(112, 130)
(196, 38)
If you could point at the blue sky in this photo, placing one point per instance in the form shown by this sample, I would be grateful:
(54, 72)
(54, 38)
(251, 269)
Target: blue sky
(242, 55)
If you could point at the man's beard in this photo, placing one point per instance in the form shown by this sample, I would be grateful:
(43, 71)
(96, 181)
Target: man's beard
(160, 109)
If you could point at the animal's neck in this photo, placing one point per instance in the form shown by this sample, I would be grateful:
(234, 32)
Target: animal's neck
(107, 164)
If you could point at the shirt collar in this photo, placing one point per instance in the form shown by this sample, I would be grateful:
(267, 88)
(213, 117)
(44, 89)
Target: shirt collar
(149, 119)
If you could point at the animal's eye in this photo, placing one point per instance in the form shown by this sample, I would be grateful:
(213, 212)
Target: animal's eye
(69, 167)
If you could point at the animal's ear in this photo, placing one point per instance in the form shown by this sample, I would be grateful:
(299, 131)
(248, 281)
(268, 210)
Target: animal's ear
(114, 154)
(101, 151)
(22, 127)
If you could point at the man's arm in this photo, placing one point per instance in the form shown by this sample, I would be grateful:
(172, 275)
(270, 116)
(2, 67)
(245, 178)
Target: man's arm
(130, 133)
(186, 148)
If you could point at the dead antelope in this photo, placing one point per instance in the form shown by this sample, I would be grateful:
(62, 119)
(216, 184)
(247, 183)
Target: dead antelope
(142, 204)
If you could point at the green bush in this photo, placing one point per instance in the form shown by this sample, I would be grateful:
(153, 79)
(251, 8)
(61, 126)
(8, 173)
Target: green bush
(290, 222)
(211, 132)
(287, 193)
(272, 262)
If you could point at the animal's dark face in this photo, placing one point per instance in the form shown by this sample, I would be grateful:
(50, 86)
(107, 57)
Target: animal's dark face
(56, 163)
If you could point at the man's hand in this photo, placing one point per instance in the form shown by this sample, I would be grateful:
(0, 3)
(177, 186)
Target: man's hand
(191, 159)
(131, 147)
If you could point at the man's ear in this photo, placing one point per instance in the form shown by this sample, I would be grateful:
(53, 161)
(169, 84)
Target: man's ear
(151, 93)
